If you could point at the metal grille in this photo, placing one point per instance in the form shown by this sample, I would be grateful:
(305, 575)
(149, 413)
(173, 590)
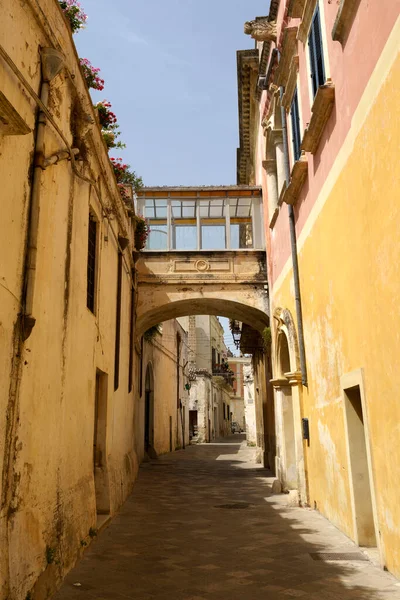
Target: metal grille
(338, 556)
(91, 263)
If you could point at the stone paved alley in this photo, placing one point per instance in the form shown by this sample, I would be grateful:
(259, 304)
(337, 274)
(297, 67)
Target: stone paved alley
(178, 537)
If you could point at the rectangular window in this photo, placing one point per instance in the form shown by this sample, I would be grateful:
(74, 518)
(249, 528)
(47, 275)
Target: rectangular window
(91, 263)
(295, 120)
(316, 52)
(118, 323)
(131, 338)
(223, 410)
(184, 224)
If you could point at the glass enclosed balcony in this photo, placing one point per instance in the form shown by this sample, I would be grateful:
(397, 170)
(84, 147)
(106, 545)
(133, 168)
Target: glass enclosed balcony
(202, 219)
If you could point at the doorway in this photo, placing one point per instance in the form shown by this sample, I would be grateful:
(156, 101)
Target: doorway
(286, 400)
(100, 471)
(192, 424)
(361, 483)
(149, 409)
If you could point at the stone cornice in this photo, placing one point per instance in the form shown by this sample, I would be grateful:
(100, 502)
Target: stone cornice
(296, 8)
(308, 11)
(291, 83)
(289, 49)
(247, 61)
(298, 176)
(344, 19)
(320, 112)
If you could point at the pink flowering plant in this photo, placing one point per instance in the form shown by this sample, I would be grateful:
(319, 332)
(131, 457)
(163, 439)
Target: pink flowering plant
(142, 231)
(74, 13)
(91, 75)
(108, 119)
(123, 174)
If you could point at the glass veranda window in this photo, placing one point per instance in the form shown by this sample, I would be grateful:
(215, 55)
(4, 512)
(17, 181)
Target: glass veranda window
(156, 211)
(241, 223)
(184, 224)
(213, 224)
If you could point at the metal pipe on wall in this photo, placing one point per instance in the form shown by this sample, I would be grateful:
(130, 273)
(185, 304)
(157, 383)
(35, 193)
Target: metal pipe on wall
(293, 244)
(52, 61)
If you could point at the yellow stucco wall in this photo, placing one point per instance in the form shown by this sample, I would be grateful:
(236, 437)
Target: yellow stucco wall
(47, 399)
(349, 261)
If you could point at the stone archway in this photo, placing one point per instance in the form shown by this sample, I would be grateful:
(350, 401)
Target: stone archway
(174, 284)
(290, 465)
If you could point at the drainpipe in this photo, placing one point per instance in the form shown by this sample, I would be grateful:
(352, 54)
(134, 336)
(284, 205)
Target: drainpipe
(293, 243)
(52, 61)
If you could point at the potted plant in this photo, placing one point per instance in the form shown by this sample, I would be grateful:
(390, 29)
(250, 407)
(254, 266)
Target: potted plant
(74, 14)
(91, 75)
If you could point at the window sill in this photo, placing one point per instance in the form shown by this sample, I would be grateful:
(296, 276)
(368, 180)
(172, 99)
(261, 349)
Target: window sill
(10, 121)
(321, 111)
(344, 19)
(298, 176)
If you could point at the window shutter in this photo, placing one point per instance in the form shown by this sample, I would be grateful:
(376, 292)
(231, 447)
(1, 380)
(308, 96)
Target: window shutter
(295, 119)
(316, 52)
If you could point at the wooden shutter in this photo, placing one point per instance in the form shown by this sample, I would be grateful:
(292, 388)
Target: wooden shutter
(316, 52)
(295, 119)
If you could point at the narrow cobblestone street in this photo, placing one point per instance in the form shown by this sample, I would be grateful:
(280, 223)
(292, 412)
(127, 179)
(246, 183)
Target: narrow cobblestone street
(202, 524)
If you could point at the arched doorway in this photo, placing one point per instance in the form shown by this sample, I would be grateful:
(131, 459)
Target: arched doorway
(290, 460)
(288, 471)
(149, 410)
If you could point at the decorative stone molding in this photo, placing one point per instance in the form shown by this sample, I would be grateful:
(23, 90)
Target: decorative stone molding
(274, 218)
(269, 165)
(321, 111)
(306, 18)
(289, 50)
(291, 83)
(261, 30)
(294, 378)
(344, 19)
(279, 382)
(298, 176)
(10, 121)
(296, 8)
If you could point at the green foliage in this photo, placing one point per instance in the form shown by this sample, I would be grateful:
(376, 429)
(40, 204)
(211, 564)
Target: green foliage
(151, 333)
(142, 231)
(267, 338)
(50, 555)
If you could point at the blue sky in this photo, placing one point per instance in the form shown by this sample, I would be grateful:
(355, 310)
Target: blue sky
(170, 73)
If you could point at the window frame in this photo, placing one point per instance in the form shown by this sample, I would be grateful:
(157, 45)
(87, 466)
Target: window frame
(295, 126)
(92, 263)
(317, 64)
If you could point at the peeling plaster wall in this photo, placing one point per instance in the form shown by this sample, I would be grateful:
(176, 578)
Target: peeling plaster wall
(47, 396)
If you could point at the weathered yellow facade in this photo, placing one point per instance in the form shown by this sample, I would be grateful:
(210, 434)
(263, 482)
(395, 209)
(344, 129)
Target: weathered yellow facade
(61, 465)
(343, 187)
(349, 266)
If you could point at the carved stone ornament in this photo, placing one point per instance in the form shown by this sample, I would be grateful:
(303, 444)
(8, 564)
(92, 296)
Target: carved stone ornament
(261, 30)
(202, 265)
